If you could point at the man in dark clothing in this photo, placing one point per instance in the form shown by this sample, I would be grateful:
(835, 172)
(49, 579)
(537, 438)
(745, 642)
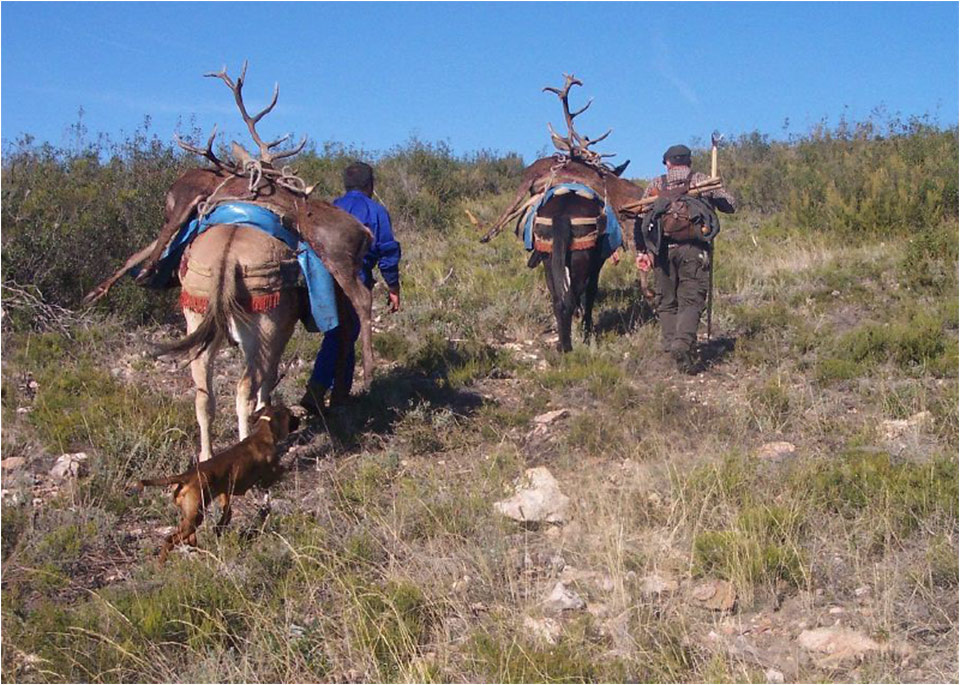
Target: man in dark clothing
(384, 253)
(682, 266)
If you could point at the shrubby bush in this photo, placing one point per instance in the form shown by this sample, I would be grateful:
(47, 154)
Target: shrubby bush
(71, 215)
(866, 179)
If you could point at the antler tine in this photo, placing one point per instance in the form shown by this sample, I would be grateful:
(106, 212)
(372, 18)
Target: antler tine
(594, 141)
(278, 141)
(268, 108)
(207, 153)
(291, 152)
(582, 109)
(559, 141)
(223, 75)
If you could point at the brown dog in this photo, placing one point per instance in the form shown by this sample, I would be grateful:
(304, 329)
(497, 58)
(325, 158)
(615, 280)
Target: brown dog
(253, 461)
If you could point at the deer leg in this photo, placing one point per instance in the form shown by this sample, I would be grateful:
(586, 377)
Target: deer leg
(205, 402)
(347, 333)
(362, 300)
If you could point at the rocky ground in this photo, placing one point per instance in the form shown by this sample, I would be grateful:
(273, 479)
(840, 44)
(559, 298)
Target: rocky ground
(492, 511)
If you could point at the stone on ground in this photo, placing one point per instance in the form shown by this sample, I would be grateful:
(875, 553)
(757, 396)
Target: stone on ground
(68, 466)
(538, 498)
(545, 629)
(716, 595)
(837, 642)
(776, 450)
(561, 599)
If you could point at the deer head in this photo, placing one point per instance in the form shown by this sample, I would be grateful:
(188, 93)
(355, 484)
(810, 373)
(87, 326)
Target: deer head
(575, 144)
(243, 162)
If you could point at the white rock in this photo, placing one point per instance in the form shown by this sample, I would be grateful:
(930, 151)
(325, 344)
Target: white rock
(836, 642)
(563, 598)
(773, 675)
(898, 429)
(862, 591)
(546, 629)
(12, 497)
(538, 498)
(776, 450)
(655, 584)
(12, 463)
(551, 416)
(68, 466)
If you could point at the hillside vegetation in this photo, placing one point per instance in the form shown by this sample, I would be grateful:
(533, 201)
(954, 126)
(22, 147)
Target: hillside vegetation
(812, 465)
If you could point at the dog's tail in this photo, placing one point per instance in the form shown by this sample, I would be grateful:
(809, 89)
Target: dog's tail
(179, 479)
(222, 307)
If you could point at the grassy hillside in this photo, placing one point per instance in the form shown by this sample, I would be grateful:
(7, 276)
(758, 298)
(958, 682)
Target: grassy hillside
(382, 557)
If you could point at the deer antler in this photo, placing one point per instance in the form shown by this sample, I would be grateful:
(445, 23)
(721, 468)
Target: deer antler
(267, 156)
(208, 152)
(574, 144)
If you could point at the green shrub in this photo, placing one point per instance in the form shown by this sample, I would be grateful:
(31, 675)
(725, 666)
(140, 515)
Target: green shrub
(865, 484)
(505, 658)
(764, 547)
(79, 405)
(392, 622)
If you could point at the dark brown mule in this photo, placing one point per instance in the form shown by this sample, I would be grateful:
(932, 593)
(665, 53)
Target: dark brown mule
(572, 266)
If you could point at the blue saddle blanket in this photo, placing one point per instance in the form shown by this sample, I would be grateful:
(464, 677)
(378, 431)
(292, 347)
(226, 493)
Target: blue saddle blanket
(609, 241)
(323, 306)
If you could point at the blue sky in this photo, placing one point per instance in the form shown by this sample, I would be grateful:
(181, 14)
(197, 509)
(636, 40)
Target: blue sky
(470, 74)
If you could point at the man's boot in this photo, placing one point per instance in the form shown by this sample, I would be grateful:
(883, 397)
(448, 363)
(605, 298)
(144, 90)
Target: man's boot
(312, 399)
(686, 360)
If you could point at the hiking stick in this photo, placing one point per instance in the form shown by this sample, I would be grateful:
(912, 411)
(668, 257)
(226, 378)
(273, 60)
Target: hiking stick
(715, 139)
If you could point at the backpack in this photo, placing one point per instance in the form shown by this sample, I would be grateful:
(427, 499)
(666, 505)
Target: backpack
(676, 222)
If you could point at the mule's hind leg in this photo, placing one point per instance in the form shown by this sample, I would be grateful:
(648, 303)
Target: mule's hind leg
(276, 327)
(250, 380)
(205, 402)
(590, 292)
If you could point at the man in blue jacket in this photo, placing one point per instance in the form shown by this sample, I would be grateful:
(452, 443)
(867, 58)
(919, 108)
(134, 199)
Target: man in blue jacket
(384, 253)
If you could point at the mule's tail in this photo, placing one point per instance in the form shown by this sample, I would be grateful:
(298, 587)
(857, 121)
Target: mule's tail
(559, 271)
(222, 307)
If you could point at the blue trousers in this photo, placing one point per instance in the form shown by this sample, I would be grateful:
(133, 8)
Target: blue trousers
(325, 365)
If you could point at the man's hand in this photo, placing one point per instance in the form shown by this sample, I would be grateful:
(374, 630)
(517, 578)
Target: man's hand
(393, 300)
(644, 262)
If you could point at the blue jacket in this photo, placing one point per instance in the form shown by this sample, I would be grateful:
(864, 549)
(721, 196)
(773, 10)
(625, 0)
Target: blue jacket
(385, 251)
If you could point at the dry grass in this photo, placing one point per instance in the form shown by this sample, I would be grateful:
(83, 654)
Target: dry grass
(383, 559)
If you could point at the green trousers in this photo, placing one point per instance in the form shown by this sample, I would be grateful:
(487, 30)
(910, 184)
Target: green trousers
(683, 275)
